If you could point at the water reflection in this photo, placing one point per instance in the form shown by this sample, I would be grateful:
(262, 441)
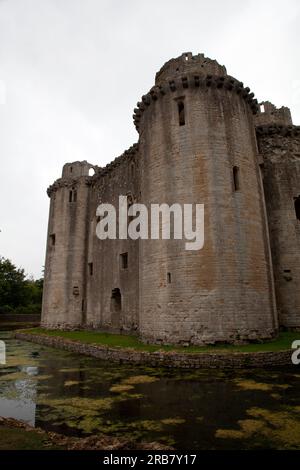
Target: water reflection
(77, 395)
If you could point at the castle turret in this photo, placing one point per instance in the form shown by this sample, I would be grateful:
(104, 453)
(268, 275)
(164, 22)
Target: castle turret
(279, 144)
(65, 268)
(198, 145)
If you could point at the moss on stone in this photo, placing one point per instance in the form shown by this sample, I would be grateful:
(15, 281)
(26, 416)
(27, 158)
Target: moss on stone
(172, 421)
(140, 379)
(280, 428)
(120, 388)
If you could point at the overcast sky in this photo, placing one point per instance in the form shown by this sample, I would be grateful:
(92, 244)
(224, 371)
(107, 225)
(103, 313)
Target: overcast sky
(71, 72)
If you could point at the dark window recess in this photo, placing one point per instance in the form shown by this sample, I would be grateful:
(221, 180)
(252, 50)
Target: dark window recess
(71, 169)
(91, 269)
(116, 300)
(73, 196)
(124, 260)
(297, 207)
(236, 178)
(181, 113)
(287, 270)
(52, 239)
(129, 204)
(169, 277)
(82, 305)
(75, 290)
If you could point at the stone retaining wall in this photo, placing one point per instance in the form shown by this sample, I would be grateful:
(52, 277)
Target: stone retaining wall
(163, 358)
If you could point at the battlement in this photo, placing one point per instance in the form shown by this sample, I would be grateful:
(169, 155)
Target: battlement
(127, 154)
(268, 114)
(188, 71)
(188, 63)
(77, 169)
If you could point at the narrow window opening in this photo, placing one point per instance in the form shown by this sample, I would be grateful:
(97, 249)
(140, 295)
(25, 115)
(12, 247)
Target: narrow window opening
(181, 113)
(82, 305)
(73, 195)
(124, 260)
(287, 270)
(91, 269)
(52, 239)
(129, 204)
(76, 290)
(297, 207)
(262, 108)
(169, 277)
(71, 169)
(236, 178)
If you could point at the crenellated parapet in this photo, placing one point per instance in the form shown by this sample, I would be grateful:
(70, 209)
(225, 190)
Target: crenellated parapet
(194, 80)
(188, 63)
(68, 183)
(269, 115)
(129, 154)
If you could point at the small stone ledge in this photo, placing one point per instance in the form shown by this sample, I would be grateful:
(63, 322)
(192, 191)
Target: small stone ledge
(169, 359)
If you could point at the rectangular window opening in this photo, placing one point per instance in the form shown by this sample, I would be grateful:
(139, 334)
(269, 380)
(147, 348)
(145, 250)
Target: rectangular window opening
(124, 260)
(52, 239)
(181, 112)
(91, 269)
(71, 196)
(169, 277)
(297, 207)
(236, 178)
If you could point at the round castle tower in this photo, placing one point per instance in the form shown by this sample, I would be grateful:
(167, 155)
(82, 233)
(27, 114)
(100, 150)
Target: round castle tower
(64, 284)
(198, 145)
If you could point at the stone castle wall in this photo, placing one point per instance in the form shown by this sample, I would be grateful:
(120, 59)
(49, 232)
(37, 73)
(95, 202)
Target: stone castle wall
(280, 147)
(223, 292)
(197, 144)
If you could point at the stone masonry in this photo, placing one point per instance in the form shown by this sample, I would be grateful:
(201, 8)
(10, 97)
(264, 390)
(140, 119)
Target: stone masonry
(203, 138)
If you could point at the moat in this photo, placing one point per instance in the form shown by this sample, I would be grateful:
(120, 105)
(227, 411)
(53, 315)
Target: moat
(203, 409)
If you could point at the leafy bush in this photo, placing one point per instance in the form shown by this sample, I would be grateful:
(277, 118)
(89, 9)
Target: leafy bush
(18, 294)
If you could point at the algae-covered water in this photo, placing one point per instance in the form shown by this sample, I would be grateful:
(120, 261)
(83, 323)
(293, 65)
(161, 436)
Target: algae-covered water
(203, 409)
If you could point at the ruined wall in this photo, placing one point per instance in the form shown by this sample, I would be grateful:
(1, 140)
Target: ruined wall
(280, 147)
(268, 114)
(112, 289)
(223, 292)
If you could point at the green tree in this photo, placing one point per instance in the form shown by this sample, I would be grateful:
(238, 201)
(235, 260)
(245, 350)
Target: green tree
(18, 294)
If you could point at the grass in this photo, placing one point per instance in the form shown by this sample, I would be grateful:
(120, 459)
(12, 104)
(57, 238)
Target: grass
(21, 439)
(282, 342)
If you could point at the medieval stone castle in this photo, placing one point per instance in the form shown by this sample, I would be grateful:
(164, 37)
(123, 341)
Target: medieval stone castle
(203, 138)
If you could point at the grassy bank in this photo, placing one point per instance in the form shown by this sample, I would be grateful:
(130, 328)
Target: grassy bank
(17, 435)
(283, 342)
